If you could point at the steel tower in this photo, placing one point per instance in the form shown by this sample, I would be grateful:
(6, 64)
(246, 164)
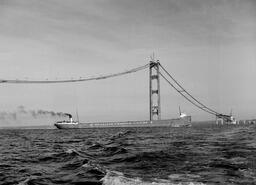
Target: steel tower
(154, 91)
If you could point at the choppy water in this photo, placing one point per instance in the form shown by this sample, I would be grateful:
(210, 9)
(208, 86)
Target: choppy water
(196, 155)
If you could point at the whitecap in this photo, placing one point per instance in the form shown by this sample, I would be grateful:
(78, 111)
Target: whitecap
(70, 151)
(182, 176)
(92, 165)
(117, 178)
(86, 165)
(26, 181)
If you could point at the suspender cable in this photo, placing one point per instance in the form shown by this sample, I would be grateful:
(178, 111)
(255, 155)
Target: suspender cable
(101, 77)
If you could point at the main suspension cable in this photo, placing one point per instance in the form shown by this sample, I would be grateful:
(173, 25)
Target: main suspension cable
(101, 77)
(186, 92)
(202, 108)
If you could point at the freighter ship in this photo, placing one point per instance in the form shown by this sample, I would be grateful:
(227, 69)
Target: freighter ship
(182, 121)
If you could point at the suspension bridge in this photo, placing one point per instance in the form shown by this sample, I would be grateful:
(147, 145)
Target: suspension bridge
(156, 71)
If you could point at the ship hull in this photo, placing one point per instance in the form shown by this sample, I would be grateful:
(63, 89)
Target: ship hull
(179, 122)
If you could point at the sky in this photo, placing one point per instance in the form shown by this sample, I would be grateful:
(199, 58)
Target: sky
(209, 46)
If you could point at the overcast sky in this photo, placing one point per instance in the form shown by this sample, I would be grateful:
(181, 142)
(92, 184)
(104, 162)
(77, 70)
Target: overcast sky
(208, 45)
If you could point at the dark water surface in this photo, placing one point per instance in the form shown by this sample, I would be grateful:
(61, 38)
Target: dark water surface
(196, 155)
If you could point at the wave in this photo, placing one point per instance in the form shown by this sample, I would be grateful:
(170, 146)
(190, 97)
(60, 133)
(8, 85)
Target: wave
(108, 149)
(96, 145)
(118, 178)
(64, 156)
(25, 182)
(158, 156)
(75, 171)
(120, 134)
(95, 166)
(34, 180)
(69, 141)
(57, 157)
(113, 150)
(79, 153)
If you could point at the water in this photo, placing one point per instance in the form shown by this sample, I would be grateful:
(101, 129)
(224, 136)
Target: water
(196, 155)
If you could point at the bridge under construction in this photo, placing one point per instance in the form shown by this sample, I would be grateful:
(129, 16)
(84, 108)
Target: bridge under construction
(156, 72)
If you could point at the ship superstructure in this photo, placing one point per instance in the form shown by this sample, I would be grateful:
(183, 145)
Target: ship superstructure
(67, 123)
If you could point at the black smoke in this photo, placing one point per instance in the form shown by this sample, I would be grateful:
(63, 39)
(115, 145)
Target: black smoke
(21, 112)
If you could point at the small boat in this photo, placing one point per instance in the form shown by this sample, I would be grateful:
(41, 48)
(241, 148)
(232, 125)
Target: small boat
(184, 116)
(232, 120)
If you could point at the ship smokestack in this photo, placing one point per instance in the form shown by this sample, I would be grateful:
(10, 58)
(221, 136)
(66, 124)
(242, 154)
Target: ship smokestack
(69, 116)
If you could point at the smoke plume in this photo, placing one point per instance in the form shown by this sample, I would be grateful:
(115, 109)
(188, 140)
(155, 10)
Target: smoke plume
(22, 112)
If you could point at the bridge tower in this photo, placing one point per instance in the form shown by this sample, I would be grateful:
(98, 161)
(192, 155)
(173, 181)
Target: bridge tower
(154, 91)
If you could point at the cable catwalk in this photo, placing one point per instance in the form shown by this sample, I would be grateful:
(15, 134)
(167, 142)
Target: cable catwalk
(100, 77)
